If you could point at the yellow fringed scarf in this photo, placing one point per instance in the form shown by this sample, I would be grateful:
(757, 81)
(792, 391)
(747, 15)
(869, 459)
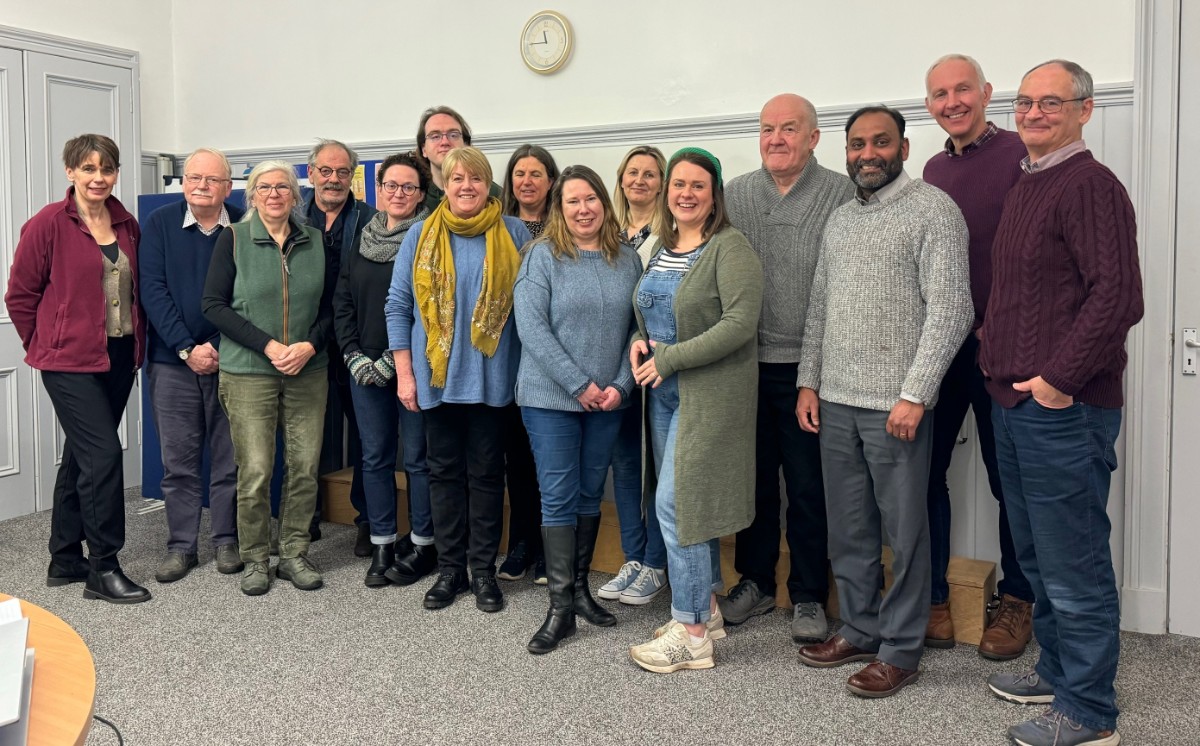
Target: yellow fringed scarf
(434, 280)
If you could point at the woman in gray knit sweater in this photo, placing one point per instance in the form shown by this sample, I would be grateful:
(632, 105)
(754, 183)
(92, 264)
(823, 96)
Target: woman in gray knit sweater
(571, 301)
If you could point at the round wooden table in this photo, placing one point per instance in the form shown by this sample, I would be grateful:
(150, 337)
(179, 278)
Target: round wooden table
(64, 680)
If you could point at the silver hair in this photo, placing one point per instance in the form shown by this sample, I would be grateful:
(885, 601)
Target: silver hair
(323, 143)
(955, 57)
(267, 167)
(213, 152)
(1081, 80)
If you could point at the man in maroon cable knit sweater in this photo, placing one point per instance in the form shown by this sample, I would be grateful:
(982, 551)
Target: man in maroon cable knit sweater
(1066, 289)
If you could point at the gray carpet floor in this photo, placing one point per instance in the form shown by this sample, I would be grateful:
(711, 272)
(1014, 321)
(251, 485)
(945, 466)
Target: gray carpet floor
(203, 664)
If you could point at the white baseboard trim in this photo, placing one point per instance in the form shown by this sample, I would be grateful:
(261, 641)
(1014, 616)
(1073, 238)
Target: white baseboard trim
(1144, 610)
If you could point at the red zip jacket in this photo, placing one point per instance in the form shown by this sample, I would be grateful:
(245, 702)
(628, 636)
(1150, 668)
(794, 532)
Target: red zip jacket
(56, 293)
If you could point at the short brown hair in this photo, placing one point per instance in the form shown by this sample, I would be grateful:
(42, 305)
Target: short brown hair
(432, 112)
(79, 149)
(409, 159)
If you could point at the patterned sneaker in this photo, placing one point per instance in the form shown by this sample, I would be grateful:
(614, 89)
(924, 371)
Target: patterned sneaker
(611, 590)
(673, 651)
(648, 584)
(301, 571)
(1053, 728)
(1022, 688)
(716, 627)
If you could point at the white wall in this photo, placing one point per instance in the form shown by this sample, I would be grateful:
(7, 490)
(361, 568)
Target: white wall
(140, 25)
(363, 71)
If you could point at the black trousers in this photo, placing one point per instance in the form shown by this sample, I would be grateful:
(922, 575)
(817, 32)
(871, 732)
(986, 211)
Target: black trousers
(782, 444)
(339, 408)
(466, 484)
(524, 495)
(89, 491)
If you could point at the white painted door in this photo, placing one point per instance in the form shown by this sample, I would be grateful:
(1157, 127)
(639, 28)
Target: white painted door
(64, 98)
(17, 431)
(1183, 589)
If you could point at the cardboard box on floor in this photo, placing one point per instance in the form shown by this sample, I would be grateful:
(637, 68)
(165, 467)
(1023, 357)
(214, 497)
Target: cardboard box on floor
(972, 582)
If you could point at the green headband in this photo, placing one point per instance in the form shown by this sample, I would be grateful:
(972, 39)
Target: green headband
(703, 154)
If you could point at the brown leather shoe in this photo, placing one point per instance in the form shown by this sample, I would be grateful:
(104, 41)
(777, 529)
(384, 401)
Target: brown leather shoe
(833, 652)
(881, 679)
(939, 633)
(1010, 630)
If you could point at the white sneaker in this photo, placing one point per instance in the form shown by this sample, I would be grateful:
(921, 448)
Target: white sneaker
(673, 651)
(611, 590)
(716, 627)
(648, 584)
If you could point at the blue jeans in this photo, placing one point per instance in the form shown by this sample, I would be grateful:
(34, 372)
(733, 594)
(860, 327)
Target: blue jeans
(378, 429)
(412, 440)
(572, 451)
(641, 537)
(1055, 467)
(695, 570)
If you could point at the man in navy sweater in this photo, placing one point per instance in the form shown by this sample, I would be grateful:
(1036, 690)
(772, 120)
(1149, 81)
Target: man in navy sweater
(174, 254)
(1066, 288)
(978, 166)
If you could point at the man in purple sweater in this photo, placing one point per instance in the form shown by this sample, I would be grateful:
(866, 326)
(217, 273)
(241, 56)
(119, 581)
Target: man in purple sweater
(1066, 289)
(977, 168)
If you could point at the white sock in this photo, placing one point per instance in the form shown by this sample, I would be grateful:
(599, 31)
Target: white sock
(695, 640)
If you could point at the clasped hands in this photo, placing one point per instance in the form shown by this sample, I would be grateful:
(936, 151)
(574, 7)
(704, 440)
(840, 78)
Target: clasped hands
(596, 399)
(204, 360)
(289, 359)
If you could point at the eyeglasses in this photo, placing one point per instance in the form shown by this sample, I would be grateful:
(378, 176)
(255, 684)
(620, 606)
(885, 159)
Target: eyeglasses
(408, 190)
(265, 189)
(195, 179)
(326, 172)
(1050, 105)
(452, 136)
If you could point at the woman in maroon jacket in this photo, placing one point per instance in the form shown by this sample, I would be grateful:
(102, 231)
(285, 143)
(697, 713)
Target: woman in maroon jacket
(72, 296)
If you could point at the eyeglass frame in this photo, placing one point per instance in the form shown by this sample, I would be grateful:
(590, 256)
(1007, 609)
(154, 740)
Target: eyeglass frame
(436, 136)
(407, 190)
(264, 190)
(196, 179)
(326, 172)
(1020, 100)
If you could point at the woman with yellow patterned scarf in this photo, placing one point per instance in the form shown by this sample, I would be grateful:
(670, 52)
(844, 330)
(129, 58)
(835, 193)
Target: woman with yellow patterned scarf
(454, 341)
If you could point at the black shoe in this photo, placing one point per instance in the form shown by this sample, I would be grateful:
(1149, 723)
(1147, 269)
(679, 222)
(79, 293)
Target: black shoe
(314, 531)
(382, 556)
(586, 530)
(65, 573)
(413, 565)
(539, 571)
(559, 551)
(488, 596)
(362, 540)
(114, 587)
(515, 564)
(446, 589)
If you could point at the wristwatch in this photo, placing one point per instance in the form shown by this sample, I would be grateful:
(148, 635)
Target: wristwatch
(185, 352)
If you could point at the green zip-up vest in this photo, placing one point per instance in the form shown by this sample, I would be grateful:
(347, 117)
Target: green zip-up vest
(279, 292)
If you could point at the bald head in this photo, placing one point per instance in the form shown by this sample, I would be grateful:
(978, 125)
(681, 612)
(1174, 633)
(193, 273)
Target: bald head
(787, 136)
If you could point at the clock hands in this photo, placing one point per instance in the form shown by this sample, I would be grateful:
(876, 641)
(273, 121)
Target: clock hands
(545, 40)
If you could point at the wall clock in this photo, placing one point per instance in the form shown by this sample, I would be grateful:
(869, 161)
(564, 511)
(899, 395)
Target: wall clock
(546, 42)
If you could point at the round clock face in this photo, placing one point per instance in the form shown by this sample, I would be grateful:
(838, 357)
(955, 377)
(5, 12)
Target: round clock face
(546, 42)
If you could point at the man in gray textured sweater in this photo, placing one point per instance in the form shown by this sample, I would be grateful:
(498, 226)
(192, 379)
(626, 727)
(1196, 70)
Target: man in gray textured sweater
(891, 303)
(782, 208)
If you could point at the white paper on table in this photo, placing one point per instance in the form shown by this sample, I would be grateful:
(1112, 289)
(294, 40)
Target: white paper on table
(10, 610)
(17, 734)
(12, 668)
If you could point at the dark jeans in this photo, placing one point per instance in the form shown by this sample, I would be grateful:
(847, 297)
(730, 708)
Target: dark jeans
(416, 472)
(572, 450)
(781, 443)
(1056, 466)
(339, 403)
(962, 388)
(187, 413)
(641, 536)
(466, 484)
(524, 496)
(89, 491)
(379, 429)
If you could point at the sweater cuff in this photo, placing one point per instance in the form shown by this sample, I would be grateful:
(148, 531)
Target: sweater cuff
(910, 398)
(1068, 387)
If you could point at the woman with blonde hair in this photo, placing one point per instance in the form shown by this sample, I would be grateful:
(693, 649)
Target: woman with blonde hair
(452, 336)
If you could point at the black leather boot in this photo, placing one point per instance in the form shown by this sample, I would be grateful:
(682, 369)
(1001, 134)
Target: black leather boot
(114, 587)
(382, 557)
(559, 544)
(412, 565)
(587, 527)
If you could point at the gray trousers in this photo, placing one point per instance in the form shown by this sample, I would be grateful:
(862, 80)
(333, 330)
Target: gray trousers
(871, 480)
(187, 413)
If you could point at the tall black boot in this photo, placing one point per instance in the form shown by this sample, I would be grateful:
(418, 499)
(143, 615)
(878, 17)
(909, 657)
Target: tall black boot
(559, 543)
(587, 527)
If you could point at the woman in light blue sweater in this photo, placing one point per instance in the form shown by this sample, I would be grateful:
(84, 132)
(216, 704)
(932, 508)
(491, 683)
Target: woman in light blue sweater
(571, 300)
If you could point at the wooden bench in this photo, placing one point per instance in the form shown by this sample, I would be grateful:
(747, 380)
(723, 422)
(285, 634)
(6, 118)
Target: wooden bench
(972, 581)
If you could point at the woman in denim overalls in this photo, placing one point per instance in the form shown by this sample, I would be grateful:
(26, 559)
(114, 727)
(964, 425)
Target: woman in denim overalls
(679, 288)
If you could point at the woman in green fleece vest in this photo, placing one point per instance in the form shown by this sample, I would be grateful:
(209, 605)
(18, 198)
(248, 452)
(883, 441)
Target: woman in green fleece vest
(267, 292)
